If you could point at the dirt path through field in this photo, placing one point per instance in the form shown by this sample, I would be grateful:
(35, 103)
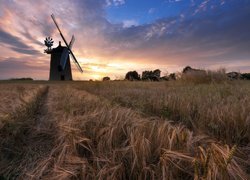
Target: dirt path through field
(33, 140)
(41, 138)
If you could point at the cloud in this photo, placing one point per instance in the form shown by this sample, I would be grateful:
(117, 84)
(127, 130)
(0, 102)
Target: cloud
(151, 10)
(115, 2)
(16, 43)
(129, 23)
(215, 34)
(173, 1)
(218, 36)
(13, 67)
(202, 7)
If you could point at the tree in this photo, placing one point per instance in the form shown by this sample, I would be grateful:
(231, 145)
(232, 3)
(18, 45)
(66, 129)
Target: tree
(151, 75)
(172, 76)
(132, 76)
(246, 76)
(234, 75)
(106, 79)
(188, 70)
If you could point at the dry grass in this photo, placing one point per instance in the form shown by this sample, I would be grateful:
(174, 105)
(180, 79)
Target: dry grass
(15, 131)
(13, 98)
(91, 137)
(203, 77)
(218, 110)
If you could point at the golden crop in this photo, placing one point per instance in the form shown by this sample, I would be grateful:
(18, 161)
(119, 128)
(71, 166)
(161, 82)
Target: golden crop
(125, 130)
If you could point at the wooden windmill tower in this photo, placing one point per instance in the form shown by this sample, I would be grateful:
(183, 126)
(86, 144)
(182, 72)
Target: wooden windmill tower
(60, 68)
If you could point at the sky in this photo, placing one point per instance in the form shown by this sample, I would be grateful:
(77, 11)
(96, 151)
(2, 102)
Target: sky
(117, 36)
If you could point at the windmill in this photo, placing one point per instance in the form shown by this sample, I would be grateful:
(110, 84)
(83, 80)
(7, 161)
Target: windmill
(60, 68)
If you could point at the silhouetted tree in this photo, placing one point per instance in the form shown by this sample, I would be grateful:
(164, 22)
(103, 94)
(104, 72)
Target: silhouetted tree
(164, 78)
(188, 70)
(234, 75)
(245, 76)
(106, 79)
(21, 79)
(157, 73)
(151, 75)
(132, 76)
(172, 76)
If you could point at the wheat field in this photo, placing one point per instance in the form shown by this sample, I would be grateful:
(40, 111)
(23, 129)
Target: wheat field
(125, 130)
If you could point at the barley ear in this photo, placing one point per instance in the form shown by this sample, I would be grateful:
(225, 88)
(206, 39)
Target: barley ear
(206, 164)
(231, 154)
(196, 169)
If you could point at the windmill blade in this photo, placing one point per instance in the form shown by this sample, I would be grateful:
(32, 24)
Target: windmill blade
(71, 53)
(76, 62)
(72, 42)
(54, 19)
(64, 58)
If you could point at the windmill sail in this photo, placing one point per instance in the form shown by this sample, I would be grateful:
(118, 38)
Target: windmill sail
(72, 42)
(65, 54)
(64, 58)
(76, 63)
(70, 51)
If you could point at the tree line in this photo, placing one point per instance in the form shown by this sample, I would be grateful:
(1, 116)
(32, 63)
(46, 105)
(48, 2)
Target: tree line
(155, 75)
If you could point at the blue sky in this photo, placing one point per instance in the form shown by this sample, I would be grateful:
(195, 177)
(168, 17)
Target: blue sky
(116, 36)
(145, 11)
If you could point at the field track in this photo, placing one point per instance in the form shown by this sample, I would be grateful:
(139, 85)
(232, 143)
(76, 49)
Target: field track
(29, 142)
